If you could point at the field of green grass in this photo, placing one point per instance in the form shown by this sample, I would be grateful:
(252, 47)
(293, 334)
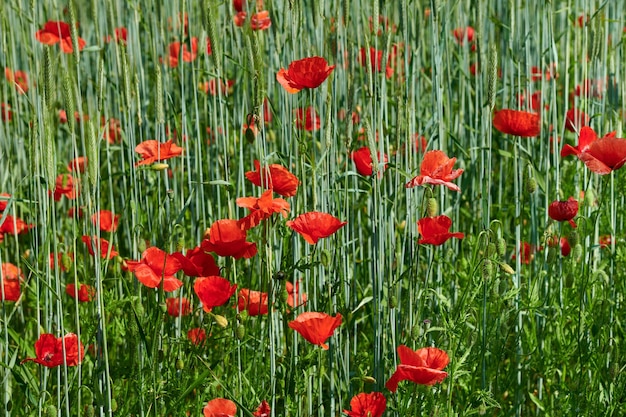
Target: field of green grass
(312, 208)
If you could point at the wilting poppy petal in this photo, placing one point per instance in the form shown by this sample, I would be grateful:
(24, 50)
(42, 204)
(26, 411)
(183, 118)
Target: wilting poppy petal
(263, 410)
(517, 123)
(436, 169)
(220, 407)
(423, 366)
(435, 230)
(314, 225)
(562, 211)
(372, 404)
(316, 327)
(213, 291)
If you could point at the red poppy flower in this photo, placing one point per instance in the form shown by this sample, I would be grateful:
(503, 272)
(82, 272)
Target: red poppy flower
(295, 297)
(464, 35)
(156, 265)
(121, 35)
(238, 5)
(5, 112)
(562, 211)
(197, 263)
(102, 245)
(65, 186)
(600, 155)
(517, 123)
(534, 101)
(376, 61)
(304, 73)
(316, 327)
(261, 208)
(527, 253)
(10, 277)
(220, 407)
(260, 20)
(217, 86)
(227, 239)
(197, 336)
(590, 89)
(563, 243)
(363, 161)
(308, 119)
(77, 164)
(152, 151)
(4, 201)
(275, 177)
(213, 291)
(254, 302)
(575, 120)
(105, 220)
(19, 78)
(14, 226)
(54, 351)
(240, 18)
(263, 410)
(55, 32)
(187, 54)
(435, 230)
(371, 404)
(84, 294)
(314, 225)
(112, 130)
(177, 307)
(436, 169)
(605, 241)
(423, 366)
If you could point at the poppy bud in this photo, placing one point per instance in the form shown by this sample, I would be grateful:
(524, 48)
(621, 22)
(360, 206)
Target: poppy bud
(141, 245)
(279, 276)
(114, 403)
(66, 262)
(590, 197)
(551, 254)
(159, 166)
(432, 207)
(89, 411)
(240, 332)
(163, 307)
(369, 379)
(501, 246)
(531, 185)
(221, 320)
(325, 258)
(578, 253)
(569, 280)
(506, 268)
(180, 244)
(491, 249)
(573, 238)
(415, 331)
(180, 364)
(393, 301)
(487, 269)
(400, 226)
(50, 411)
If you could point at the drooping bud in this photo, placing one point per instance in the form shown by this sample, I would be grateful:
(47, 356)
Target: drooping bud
(432, 207)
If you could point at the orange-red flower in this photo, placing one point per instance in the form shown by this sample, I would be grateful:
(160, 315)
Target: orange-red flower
(10, 277)
(423, 366)
(314, 225)
(304, 73)
(58, 260)
(260, 20)
(254, 302)
(371, 404)
(316, 327)
(77, 164)
(575, 119)
(65, 186)
(220, 407)
(153, 151)
(562, 211)
(464, 35)
(517, 123)
(55, 32)
(105, 220)
(295, 297)
(308, 119)
(226, 238)
(261, 208)
(4, 201)
(435, 230)
(263, 410)
(5, 112)
(197, 336)
(600, 155)
(436, 169)
(177, 307)
(563, 243)
(53, 351)
(156, 266)
(113, 130)
(84, 294)
(362, 159)
(19, 78)
(101, 245)
(527, 253)
(376, 61)
(197, 263)
(213, 291)
(274, 177)
(240, 18)
(14, 226)
(187, 55)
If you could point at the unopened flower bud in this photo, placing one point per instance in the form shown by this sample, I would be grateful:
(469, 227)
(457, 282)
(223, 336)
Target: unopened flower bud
(159, 166)
(220, 320)
(393, 301)
(506, 268)
(491, 249)
(369, 379)
(432, 207)
(531, 185)
(66, 262)
(240, 332)
(501, 246)
(180, 364)
(487, 269)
